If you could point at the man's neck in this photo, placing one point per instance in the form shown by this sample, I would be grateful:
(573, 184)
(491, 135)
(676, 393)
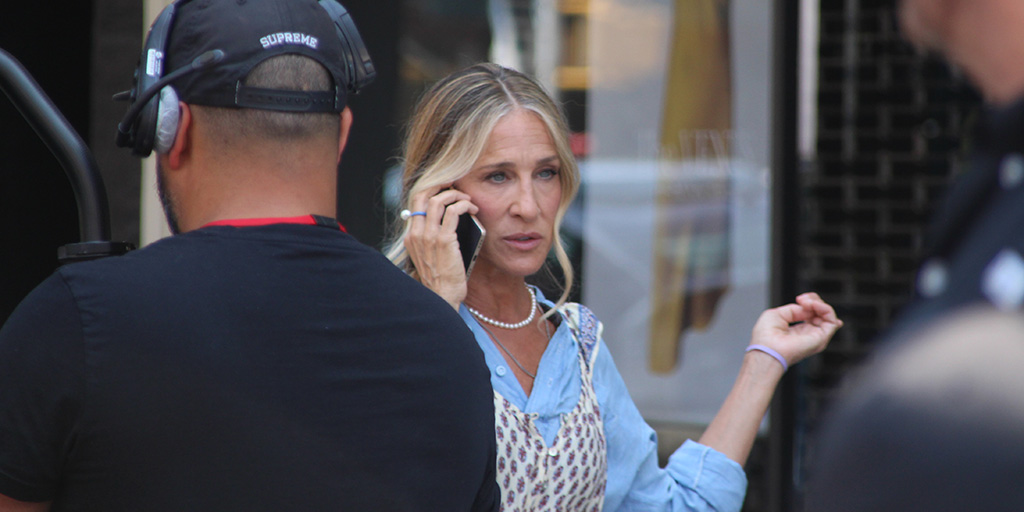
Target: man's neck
(259, 195)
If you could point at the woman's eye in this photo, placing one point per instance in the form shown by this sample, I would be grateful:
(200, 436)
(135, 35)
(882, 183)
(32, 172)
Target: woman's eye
(497, 177)
(548, 173)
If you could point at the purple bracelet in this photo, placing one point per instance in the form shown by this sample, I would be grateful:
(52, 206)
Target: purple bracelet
(778, 357)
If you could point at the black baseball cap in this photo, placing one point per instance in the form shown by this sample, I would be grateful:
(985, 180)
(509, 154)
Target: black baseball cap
(249, 32)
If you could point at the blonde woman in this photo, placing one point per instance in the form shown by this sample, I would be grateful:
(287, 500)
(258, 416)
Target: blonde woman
(490, 142)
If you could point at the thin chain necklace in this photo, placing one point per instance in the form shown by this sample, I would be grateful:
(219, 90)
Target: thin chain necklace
(506, 325)
(503, 347)
(547, 331)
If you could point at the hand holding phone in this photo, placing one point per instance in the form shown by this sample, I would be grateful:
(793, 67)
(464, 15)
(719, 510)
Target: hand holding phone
(428, 241)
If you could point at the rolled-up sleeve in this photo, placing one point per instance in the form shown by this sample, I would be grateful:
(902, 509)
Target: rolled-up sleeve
(697, 478)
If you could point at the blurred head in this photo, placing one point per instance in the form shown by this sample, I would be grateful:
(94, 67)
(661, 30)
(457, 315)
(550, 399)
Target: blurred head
(450, 129)
(929, 24)
(932, 424)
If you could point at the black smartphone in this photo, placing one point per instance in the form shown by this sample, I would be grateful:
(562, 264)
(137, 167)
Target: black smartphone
(470, 235)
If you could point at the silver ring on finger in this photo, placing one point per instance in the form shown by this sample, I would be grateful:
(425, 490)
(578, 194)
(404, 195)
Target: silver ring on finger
(406, 214)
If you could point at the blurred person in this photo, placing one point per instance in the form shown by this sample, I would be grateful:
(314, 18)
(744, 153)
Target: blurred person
(902, 447)
(489, 141)
(973, 246)
(933, 426)
(261, 358)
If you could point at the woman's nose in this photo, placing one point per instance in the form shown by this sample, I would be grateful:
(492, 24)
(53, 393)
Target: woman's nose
(525, 204)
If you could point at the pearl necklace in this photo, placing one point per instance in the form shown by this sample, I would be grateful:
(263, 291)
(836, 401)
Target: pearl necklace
(506, 325)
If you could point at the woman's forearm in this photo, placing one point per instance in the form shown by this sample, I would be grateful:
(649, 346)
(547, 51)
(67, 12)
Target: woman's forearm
(734, 427)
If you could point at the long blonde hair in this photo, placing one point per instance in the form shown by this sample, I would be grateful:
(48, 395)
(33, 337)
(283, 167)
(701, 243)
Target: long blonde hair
(448, 131)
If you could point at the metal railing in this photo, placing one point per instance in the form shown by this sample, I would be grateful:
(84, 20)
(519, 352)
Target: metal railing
(74, 157)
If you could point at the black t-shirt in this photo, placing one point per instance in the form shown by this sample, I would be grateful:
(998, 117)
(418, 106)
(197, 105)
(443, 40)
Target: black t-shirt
(282, 367)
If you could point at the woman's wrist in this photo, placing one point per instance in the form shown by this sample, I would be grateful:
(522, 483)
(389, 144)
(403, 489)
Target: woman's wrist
(771, 352)
(453, 294)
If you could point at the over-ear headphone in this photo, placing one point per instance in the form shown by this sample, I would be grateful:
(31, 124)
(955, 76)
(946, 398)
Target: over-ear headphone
(138, 129)
(152, 123)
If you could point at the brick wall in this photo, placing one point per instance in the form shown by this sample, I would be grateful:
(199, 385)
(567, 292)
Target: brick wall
(892, 125)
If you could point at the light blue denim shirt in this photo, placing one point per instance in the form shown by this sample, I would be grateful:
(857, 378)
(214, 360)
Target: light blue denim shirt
(697, 478)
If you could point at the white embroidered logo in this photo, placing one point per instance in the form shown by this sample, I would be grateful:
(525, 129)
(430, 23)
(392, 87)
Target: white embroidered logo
(279, 38)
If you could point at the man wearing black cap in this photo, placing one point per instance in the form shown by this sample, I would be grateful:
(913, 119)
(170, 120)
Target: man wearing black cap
(261, 359)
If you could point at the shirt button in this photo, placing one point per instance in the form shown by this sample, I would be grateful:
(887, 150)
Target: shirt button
(1011, 170)
(501, 371)
(552, 452)
(932, 279)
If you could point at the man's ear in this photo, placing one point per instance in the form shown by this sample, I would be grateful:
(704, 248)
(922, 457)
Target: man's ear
(182, 143)
(346, 124)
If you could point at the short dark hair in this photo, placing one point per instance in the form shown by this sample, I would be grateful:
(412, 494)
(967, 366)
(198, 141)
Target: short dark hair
(285, 72)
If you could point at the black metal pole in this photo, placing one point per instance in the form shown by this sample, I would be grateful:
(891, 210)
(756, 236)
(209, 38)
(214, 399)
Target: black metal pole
(65, 144)
(782, 447)
(73, 155)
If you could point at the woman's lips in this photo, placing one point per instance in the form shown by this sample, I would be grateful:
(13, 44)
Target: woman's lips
(523, 241)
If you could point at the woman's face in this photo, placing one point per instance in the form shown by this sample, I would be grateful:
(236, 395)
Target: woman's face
(515, 184)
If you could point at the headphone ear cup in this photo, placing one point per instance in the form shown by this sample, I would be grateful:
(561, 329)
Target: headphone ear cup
(138, 129)
(167, 117)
